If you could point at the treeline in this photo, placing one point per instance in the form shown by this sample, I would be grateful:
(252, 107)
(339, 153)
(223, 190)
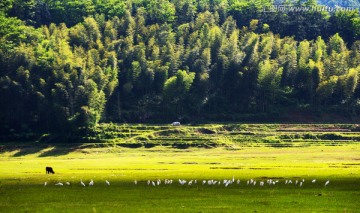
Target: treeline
(71, 64)
(302, 25)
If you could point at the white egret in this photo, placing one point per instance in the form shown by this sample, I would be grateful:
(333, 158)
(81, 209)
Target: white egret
(91, 182)
(182, 182)
(148, 182)
(301, 183)
(59, 184)
(261, 183)
(327, 182)
(135, 181)
(82, 183)
(45, 183)
(153, 183)
(107, 182)
(238, 181)
(313, 181)
(67, 183)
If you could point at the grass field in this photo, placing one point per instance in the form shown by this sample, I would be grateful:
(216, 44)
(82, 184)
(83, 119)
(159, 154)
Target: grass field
(207, 152)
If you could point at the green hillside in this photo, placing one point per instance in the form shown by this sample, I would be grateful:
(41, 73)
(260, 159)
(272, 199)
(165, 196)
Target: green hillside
(70, 64)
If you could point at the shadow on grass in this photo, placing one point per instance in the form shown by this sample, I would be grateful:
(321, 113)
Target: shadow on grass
(28, 150)
(6, 148)
(44, 150)
(59, 150)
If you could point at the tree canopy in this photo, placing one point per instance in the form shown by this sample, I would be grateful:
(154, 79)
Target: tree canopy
(70, 64)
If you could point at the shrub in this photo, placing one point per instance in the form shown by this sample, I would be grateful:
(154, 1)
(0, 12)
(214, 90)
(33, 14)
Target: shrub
(332, 136)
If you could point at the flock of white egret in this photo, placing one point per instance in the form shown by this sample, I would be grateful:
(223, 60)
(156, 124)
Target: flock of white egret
(225, 182)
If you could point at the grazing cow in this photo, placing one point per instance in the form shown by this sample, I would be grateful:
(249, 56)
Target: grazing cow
(49, 170)
(175, 123)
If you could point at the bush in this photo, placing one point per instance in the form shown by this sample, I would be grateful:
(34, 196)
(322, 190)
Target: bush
(271, 139)
(332, 136)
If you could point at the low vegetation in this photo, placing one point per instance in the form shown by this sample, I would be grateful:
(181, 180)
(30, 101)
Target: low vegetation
(225, 135)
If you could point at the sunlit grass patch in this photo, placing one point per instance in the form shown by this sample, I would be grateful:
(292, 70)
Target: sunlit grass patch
(236, 154)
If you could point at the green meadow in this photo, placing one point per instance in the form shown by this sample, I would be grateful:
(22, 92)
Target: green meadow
(122, 154)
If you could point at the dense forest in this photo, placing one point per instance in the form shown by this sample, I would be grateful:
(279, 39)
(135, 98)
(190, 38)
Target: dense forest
(69, 64)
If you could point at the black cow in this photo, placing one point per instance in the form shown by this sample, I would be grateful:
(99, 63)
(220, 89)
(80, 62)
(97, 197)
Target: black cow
(49, 170)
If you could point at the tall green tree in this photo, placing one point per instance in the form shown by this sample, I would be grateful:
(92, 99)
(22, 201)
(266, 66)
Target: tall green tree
(175, 91)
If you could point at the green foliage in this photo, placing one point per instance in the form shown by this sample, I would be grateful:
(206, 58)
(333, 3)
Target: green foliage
(161, 11)
(5, 6)
(82, 62)
(67, 84)
(269, 78)
(176, 88)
